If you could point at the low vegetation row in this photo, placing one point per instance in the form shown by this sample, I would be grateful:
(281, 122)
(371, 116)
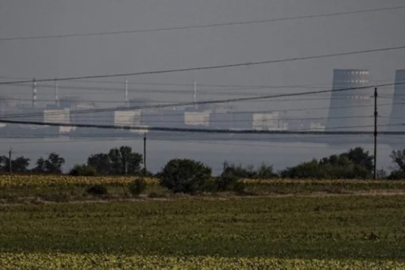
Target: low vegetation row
(192, 177)
(353, 164)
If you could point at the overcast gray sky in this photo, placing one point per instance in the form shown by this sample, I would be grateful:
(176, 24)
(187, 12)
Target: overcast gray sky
(198, 47)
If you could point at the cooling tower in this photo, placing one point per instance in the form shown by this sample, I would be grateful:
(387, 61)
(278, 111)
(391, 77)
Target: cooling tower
(397, 118)
(351, 110)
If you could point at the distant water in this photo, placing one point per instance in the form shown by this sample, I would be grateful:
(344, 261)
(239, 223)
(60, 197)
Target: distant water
(213, 153)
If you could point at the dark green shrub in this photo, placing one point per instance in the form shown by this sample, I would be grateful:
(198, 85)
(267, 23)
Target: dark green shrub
(334, 167)
(137, 187)
(397, 175)
(185, 176)
(266, 172)
(229, 183)
(250, 172)
(239, 187)
(97, 190)
(157, 195)
(83, 170)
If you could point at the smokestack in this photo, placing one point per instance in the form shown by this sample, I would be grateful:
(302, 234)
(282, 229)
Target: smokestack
(349, 108)
(195, 95)
(397, 117)
(34, 93)
(56, 93)
(126, 94)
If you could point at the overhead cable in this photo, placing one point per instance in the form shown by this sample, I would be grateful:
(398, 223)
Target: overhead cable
(212, 25)
(211, 67)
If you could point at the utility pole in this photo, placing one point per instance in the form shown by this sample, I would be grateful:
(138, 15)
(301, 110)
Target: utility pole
(375, 132)
(144, 155)
(9, 160)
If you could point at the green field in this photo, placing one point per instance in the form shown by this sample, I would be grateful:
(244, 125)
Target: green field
(213, 232)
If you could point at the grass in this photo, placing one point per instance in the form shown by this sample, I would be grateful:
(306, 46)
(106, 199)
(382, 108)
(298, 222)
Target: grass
(340, 228)
(92, 261)
(20, 188)
(52, 223)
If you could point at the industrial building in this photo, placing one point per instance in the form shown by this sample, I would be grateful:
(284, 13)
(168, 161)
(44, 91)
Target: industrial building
(268, 121)
(397, 117)
(350, 104)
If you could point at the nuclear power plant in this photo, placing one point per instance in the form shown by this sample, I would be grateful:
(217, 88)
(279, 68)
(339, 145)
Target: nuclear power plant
(397, 117)
(351, 109)
(349, 105)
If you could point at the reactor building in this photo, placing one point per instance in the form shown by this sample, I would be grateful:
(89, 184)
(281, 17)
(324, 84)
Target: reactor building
(397, 117)
(351, 103)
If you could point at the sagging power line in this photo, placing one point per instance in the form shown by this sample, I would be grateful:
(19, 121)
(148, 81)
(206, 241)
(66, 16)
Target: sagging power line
(190, 27)
(196, 130)
(212, 67)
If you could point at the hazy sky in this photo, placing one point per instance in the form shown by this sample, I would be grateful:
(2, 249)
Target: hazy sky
(198, 47)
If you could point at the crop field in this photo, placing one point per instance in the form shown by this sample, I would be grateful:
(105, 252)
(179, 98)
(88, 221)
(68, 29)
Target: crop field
(206, 232)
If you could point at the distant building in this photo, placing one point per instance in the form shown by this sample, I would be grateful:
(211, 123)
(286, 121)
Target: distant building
(127, 118)
(397, 117)
(313, 126)
(201, 118)
(268, 121)
(57, 116)
(163, 118)
(349, 105)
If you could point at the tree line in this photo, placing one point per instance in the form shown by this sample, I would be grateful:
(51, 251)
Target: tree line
(353, 164)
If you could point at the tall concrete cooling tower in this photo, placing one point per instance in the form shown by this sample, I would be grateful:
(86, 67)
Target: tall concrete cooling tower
(349, 110)
(397, 118)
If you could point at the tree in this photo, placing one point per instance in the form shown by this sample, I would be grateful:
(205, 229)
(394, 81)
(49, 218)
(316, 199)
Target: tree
(360, 157)
(101, 162)
(398, 158)
(185, 175)
(53, 164)
(124, 161)
(18, 165)
(333, 167)
(118, 161)
(304, 170)
(40, 168)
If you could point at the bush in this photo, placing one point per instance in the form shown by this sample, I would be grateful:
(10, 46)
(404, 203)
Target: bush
(137, 187)
(397, 175)
(250, 172)
(185, 176)
(97, 190)
(229, 183)
(157, 195)
(336, 167)
(83, 170)
(266, 172)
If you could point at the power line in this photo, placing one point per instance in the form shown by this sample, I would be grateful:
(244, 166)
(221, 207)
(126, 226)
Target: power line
(212, 25)
(272, 145)
(29, 115)
(226, 86)
(221, 87)
(213, 67)
(195, 130)
(168, 102)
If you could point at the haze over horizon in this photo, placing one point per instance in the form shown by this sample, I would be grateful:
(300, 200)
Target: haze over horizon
(183, 48)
